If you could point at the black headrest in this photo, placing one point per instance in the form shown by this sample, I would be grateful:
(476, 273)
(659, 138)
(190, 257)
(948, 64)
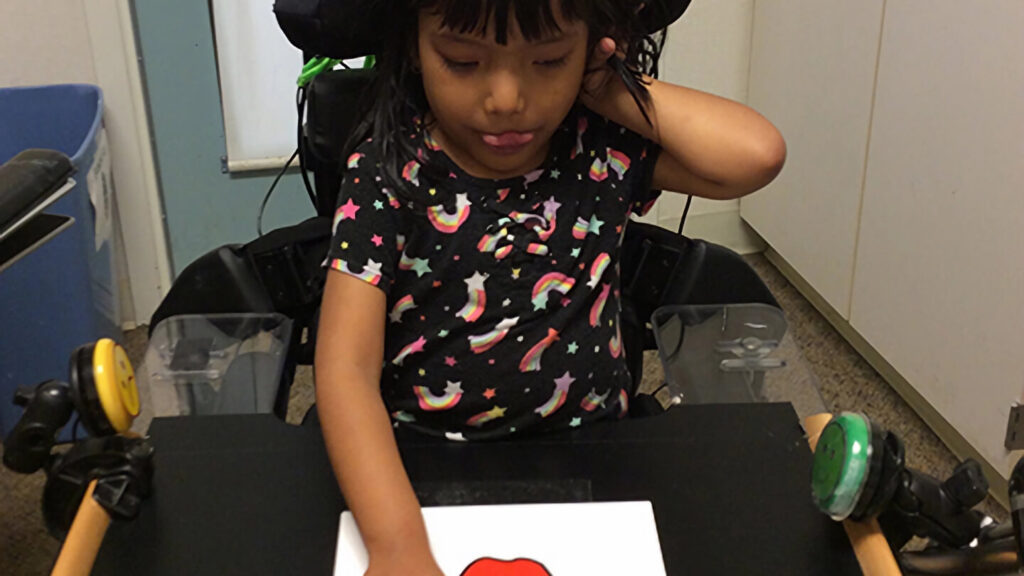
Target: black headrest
(350, 28)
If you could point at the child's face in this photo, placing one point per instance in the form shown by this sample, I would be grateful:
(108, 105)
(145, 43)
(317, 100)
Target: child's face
(496, 107)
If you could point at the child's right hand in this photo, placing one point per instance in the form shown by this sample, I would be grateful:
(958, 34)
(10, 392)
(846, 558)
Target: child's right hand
(408, 564)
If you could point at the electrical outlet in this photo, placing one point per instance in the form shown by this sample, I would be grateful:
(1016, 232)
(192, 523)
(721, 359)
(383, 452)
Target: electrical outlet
(1015, 428)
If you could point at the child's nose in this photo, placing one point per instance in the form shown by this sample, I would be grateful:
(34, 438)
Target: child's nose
(505, 95)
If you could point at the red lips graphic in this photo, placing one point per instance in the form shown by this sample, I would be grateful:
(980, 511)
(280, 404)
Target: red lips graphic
(493, 567)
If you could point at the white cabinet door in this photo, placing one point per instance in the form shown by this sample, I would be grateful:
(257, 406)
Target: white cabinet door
(812, 73)
(939, 287)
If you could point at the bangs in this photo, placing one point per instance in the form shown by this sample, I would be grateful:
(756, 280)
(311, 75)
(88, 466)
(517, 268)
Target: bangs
(536, 18)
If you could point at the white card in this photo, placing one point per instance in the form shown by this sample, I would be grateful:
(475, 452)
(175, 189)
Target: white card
(563, 539)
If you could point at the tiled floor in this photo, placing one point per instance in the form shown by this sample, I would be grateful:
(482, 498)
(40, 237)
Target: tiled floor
(847, 383)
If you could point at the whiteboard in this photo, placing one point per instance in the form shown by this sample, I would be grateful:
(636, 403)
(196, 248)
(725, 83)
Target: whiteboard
(257, 67)
(553, 539)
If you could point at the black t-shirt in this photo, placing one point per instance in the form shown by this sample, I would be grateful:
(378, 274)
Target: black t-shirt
(503, 298)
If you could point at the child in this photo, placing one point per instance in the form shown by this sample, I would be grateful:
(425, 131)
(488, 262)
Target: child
(478, 231)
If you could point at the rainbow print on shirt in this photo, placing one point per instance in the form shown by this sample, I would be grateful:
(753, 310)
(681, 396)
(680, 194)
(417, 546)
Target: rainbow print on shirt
(593, 401)
(598, 268)
(489, 242)
(615, 344)
(598, 306)
(409, 350)
(420, 265)
(555, 281)
(531, 360)
(371, 272)
(618, 163)
(353, 160)
(580, 228)
(503, 252)
(392, 199)
(599, 170)
(449, 222)
(483, 342)
(558, 397)
(429, 402)
(411, 172)
(477, 301)
(403, 305)
(431, 143)
(485, 417)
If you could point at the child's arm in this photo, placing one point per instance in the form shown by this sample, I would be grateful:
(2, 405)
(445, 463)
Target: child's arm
(711, 147)
(357, 429)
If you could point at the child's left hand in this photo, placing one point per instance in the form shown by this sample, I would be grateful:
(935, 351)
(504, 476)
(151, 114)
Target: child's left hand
(599, 76)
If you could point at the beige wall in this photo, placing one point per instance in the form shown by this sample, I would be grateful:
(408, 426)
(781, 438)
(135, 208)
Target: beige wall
(44, 42)
(709, 50)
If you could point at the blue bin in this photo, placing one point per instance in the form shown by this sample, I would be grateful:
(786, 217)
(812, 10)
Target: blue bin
(64, 294)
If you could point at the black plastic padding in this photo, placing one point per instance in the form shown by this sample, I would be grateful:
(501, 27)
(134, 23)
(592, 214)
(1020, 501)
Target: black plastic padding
(632, 331)
(288, 263)
(893, 465)
(84, 395)
(875, 498)
(28, 179)
(221, 281)
(659, 14)
(335, 103)
(352, 28)
(122, 467)
(48, 408)
(662, 268)
(724, 277)
(334, 28)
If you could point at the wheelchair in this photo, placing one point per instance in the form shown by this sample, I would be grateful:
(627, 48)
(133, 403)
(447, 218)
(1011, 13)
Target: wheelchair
(281, 271)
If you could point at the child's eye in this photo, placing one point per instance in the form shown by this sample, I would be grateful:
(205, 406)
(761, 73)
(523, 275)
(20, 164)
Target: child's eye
(555, 63)
(458, 66)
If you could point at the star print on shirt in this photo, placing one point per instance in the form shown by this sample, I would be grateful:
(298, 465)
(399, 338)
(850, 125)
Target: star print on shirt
(348, 210)
(551, 206)
(420, 265)
(522, 214)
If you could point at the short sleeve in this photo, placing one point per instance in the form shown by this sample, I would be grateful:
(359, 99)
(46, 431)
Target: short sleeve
(366, 228)
(629, 157)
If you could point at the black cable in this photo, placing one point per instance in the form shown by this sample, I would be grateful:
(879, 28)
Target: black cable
(266, 198)
(300, 105)
(686, 211)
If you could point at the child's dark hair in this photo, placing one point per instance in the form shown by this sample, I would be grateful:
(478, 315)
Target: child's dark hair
(398, 94)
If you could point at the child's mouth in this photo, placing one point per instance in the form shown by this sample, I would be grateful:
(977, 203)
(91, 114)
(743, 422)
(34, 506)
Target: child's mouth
(508, 142)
